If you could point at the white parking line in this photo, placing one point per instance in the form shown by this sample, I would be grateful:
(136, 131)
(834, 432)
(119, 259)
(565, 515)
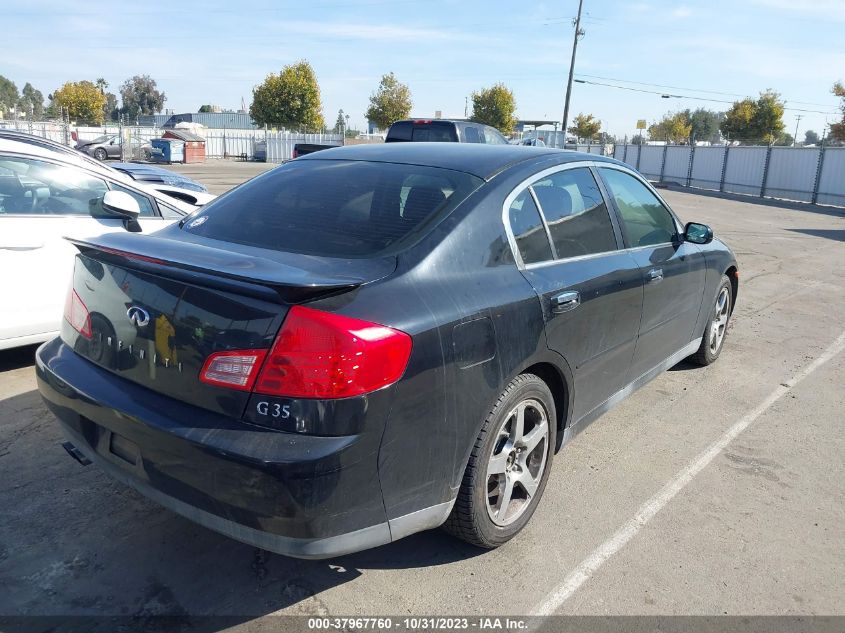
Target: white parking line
(582, 573)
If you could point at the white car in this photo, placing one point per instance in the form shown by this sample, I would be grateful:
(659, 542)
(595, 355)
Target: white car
(49, 192)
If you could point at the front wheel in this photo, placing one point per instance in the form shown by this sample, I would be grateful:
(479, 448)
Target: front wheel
(508, 467)
(717, 325)
(100, 154)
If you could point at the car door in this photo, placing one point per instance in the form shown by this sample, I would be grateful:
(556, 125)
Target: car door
(672, 270)
(41, 203)
(569, 248)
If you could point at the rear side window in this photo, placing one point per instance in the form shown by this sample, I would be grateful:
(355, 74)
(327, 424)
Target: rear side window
(528, 230)
(575, 212)
(334, 208)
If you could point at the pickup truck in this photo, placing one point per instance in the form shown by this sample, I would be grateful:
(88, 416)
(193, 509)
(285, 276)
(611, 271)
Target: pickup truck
(444, 130)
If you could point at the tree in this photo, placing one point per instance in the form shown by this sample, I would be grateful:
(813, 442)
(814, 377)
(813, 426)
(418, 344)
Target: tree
(837, 130)
(637, 139)
(752, 120)
(495, 106)
(674, 127)
(140, 95)
(811, 138)
(704, 124)
(784, 140)
(8, 94)
(390, 102)
(83, 100)
(290, 99)
(340, 123)
(31, 101)
(112, 111)
(585, 126)
(205, 108)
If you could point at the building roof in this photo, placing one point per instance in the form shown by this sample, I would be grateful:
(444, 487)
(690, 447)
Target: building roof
(182, 135)
(234, 120)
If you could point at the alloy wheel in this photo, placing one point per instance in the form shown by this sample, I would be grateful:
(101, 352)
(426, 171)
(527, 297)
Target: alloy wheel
(517, 462)
(720, 320)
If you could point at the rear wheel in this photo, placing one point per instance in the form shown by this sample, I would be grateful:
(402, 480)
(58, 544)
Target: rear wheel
(509, 466)
(717, 325)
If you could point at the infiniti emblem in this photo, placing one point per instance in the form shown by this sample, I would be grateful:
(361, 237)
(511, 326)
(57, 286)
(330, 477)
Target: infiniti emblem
(138, 316)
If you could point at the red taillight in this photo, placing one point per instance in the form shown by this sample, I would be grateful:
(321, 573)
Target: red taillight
(234, 369)
(324, 355)
(77, 314)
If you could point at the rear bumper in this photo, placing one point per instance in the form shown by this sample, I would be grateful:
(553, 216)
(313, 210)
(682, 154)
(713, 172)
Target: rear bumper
(299, 495)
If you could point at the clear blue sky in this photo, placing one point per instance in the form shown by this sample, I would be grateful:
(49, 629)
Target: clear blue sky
(214, 52)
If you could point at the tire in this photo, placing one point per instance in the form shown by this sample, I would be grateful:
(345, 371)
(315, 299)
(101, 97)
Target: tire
(716, 329)
(496, 462)
(100, 154)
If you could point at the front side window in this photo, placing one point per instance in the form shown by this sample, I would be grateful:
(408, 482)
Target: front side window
(645, 220)
(528, 230)
(575, 212)
(334, 208)
(35, 187)
(493, 137)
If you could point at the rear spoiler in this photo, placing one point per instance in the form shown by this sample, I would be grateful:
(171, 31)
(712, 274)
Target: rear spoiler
(224, 269)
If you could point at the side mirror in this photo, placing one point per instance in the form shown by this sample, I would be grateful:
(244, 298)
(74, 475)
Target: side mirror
(121, 204)
(698, 233)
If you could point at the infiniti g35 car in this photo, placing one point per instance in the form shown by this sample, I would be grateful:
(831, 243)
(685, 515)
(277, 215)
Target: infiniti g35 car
(372, 341)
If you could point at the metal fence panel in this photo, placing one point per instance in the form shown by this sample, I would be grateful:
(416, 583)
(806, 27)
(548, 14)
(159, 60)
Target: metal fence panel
(677, 164)
(619, 151)
(744, 171)
(832, 180)
(707, 167)
(651, 160)
(792, 172)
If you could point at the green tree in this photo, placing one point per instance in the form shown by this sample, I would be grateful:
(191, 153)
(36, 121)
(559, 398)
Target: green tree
(784, 140)
(837, 130)
(140, 95)
(674, 127)
(340, 123)
(759, 120)
(811, 138)
(585, 127)
(495, 106)
(8, 94)
(637, 139)
(290, 99)
(205, 108)
(390, 102)
(31, 98)
(112, 110)
(704, 124)
(83, 100)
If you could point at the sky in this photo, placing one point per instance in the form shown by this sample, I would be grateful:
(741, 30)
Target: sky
(710, 52)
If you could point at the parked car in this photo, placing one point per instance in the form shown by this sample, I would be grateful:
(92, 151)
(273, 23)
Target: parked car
(47, 192)
(302, 149)
(167, 182)
(532, 142)
(444, 130)
(375, 340)
(108, 146)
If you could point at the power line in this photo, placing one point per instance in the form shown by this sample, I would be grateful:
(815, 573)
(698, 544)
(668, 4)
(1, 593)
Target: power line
(715, 92)
(667, 96)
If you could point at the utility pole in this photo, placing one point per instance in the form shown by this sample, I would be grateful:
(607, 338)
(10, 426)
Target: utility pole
(578, 33)
(795, 137)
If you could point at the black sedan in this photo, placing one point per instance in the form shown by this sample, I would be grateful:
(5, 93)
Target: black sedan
(374, 340)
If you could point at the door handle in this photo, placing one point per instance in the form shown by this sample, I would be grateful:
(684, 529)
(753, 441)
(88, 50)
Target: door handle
(655, 275)
(566, 301)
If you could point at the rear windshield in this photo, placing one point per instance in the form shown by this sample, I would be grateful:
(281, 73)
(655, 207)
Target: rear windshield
(334, 208)
(431, 131)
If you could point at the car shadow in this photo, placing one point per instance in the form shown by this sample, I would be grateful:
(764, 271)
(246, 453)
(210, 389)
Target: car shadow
(77, 544)
(837, 235)
(17, 357)
(685, 365)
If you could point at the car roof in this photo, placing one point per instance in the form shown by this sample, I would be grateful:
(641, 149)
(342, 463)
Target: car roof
(478, 159)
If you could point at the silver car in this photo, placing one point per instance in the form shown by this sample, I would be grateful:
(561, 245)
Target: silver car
(108, 146)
